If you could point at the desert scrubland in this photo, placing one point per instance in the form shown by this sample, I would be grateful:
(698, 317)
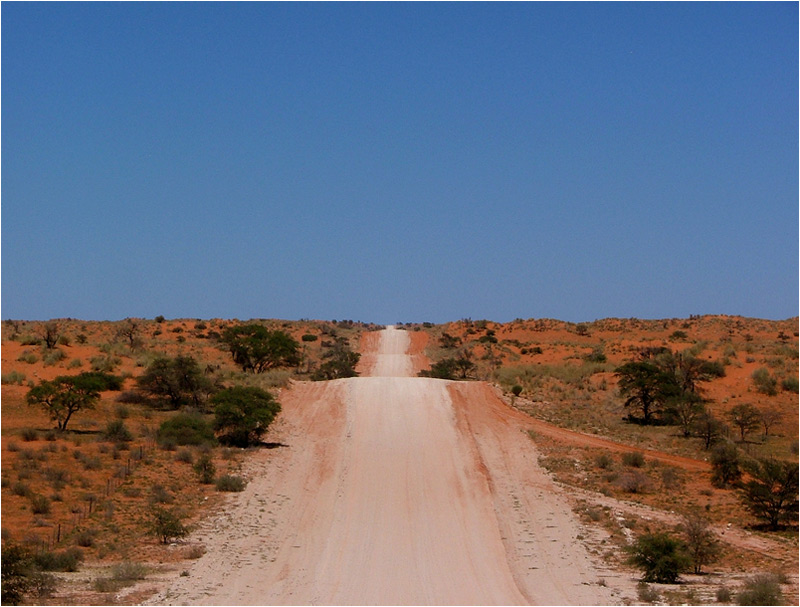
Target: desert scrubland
(511, 472)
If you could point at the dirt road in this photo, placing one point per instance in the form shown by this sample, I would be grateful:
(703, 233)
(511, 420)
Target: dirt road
(393, 489)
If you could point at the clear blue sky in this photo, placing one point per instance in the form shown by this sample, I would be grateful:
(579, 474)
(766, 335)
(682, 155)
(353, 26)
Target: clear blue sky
(399, 162)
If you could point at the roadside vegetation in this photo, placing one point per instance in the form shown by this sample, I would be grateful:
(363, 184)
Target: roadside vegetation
(116, 436)
(701, 420)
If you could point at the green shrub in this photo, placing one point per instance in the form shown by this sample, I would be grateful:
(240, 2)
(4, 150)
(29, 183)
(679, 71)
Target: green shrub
(64, 560)
(40, 504)
(53, 357)
(131, 397)
(243, 414)
(29, 435)
(229, 482)
(85, 537)
(104, 381)
(16, 573)
(28, 357)
(725, 465)
(309, 337)
(21, 489)
(185, 456)
(764, 382)
(128, 571)
(167, 525)
(104, 364)
(790, 384)
(13, 377)
(604, 461)
(186, 429)
(634, 459)
(117, 432)
(516, 389)
(159, 495)
(661, 557)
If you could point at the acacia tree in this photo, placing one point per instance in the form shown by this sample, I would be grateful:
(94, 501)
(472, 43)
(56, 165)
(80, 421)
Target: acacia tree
(770, 417)
(64, 396)
(176, 381)
(688, 370)
(708, 428)
(771, 491)
(129, 330)
(50, 332)
(702, 545)
(686, 408)
(255, 348)
(745, 417)
(647, 388)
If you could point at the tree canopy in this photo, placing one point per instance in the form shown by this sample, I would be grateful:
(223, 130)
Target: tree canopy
(255, 348)
(646, 387)
(243, 414)
(771, 491)
(65, 395)
(661, 557)
(176, 381)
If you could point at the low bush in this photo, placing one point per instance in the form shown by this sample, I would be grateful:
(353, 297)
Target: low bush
(761, 589)
(16, 573)
(228, 482)
(14, 378)
(723, 595)
(63, 560)
(604, 461)
(764, 382)
(661, 557)
(185, 456)
(29, 435)
(128, 571)
(634, 481)
(28, 357)
(85, 537)
(205, 469)
(40, 504)
(167, 525)
(104, 364)
(104, 381)
(185, 429)
(790, 384)
(131, 397)
(117, 432)
(634, 459)
(646, 593)
(53, 357)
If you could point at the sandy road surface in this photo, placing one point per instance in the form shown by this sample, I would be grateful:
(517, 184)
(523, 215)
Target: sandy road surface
(393, 489)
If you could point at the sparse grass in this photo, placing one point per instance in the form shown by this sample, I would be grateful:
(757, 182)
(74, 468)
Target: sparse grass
(13, 377)
(228, 482)
(761, 589)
